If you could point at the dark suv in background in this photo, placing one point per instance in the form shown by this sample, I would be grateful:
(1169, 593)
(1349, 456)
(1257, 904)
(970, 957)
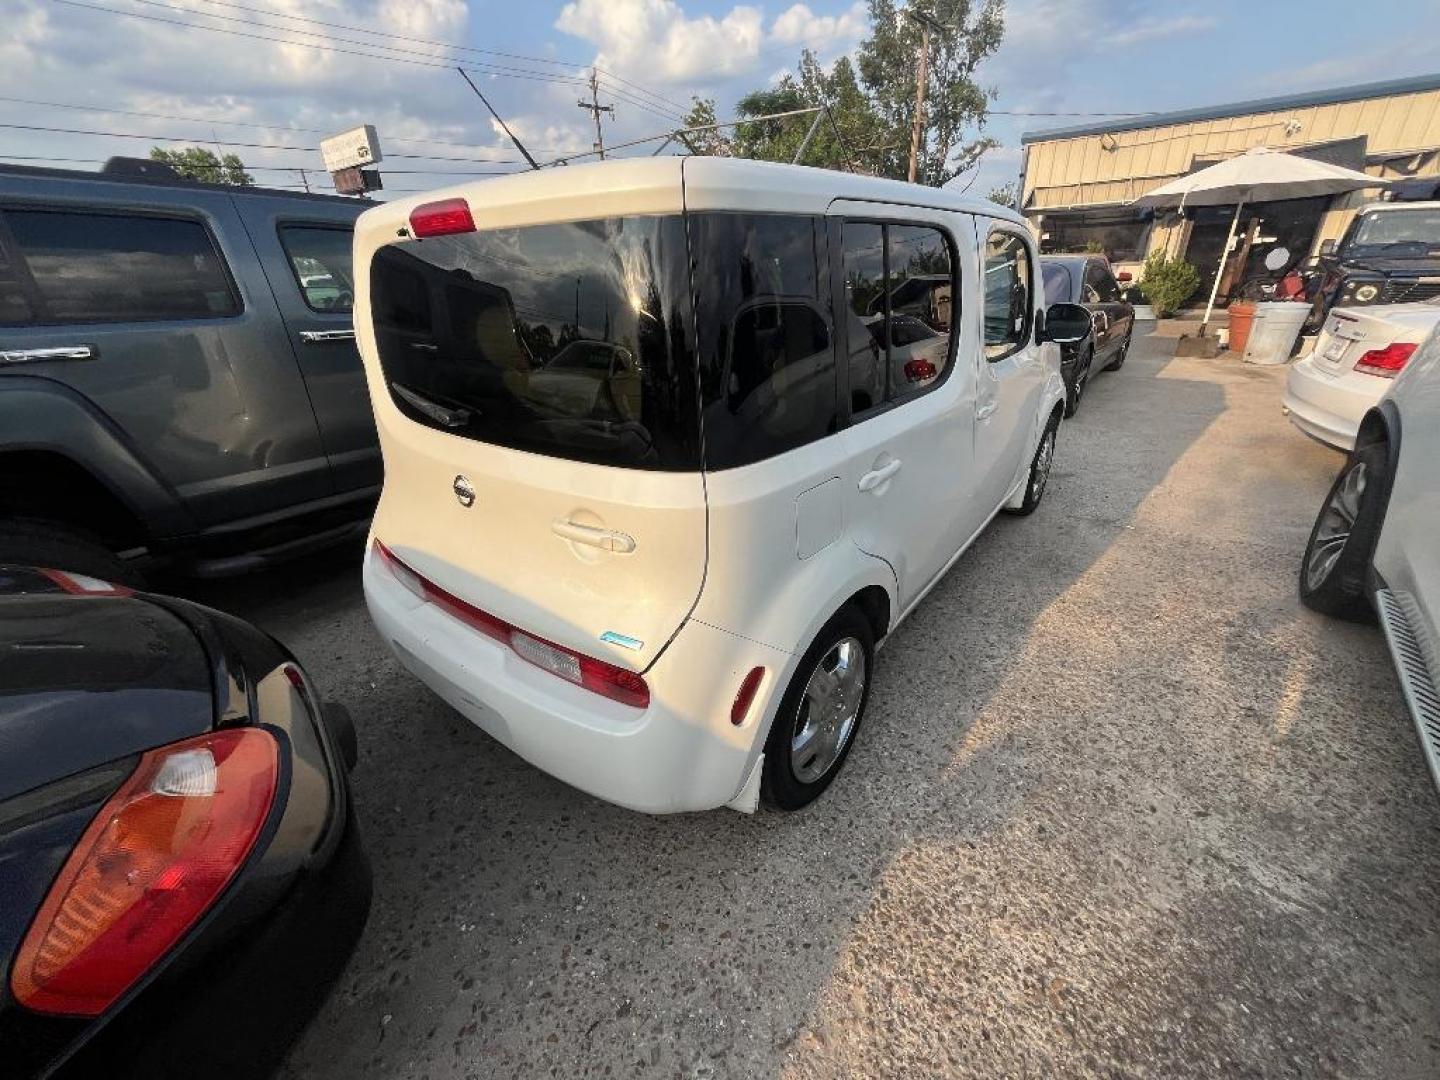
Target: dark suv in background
(1390, 254)
(179, 381)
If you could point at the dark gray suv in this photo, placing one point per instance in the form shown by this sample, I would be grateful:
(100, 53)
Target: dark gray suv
(178, 374)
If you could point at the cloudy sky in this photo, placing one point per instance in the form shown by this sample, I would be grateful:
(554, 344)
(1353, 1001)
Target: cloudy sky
(277, 74)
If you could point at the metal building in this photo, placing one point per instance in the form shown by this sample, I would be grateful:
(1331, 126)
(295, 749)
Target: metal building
(1077, 182)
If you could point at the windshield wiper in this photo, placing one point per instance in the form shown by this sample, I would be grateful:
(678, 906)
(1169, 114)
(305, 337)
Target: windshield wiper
(441, 414)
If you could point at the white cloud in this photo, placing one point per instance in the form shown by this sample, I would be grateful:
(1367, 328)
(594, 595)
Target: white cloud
(657, 40)
(1154, 29)
(798, 25)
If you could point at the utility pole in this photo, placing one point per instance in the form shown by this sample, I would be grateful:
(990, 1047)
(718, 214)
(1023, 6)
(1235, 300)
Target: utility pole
(922, 76)
(594, 107)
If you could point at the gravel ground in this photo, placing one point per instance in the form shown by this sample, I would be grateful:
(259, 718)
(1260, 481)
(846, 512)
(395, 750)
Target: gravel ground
(1120, 807)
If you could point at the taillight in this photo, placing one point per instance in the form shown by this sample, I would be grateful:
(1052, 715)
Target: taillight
(156, 856)
(598, 676)
(444, 218)
(1388, 361)
(919, 370)
(84, 585)
(746, 696)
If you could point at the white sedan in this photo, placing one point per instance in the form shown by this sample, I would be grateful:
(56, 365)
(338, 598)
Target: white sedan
(1356, 358)
(1377, 538)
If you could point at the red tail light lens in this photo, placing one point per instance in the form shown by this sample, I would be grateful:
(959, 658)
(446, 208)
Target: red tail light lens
(605, 679)
(1386, 362)
(919, 370)
(444, 218)
(157, 855)
(746, 696)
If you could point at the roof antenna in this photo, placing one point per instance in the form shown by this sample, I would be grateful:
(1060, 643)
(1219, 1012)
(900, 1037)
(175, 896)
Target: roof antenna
(518, 144)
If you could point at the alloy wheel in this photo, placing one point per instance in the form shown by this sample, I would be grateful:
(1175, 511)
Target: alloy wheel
(1337, 521)
(829, 710)
(1040, 473)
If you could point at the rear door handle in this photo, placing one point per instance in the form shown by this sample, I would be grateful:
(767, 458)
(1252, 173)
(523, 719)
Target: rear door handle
(54, 352)
(315, 337)
(605, 539)
(877, 477)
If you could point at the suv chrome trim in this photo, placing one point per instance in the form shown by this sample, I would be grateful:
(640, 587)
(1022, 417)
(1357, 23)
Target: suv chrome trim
(56, 352)
(313, 337)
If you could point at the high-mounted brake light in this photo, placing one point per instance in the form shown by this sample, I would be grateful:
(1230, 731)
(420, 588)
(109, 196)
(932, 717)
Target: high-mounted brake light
(606, 679)
(158, 854)
(444, 218)
(1386, 362)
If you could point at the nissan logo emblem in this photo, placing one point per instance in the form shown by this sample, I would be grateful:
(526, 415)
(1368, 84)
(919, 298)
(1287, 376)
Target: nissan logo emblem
(463, 491)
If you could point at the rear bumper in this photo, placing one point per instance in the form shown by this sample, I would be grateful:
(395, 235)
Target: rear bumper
(680, 753)
(1329, 408)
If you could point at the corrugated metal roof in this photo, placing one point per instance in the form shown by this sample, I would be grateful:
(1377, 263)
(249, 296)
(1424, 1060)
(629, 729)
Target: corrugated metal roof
(1391, 87)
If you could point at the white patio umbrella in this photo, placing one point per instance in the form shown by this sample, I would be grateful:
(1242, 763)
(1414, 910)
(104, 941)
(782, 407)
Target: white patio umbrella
(1258, 175)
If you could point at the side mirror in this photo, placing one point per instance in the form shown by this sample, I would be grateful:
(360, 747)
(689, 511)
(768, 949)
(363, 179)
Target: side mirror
(1065, 324)
(1327, 247)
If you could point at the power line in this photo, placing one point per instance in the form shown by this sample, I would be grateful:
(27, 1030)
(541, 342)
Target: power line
(444, 45)
(267, 168)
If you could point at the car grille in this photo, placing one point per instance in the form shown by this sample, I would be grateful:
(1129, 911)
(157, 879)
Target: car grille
(1421, 693)
(1404, 291)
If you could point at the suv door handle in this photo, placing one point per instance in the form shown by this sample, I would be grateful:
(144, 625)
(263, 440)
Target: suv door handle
(877, 477)
(605, 539)
(315, 337)
(54, 352)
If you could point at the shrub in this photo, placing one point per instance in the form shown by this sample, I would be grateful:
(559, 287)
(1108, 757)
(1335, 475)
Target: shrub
(1168, 282)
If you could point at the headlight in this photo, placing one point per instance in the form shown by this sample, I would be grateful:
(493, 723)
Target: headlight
(1364, 292)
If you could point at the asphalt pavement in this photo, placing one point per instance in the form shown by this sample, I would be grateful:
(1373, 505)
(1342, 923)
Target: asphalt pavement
(1120, 807)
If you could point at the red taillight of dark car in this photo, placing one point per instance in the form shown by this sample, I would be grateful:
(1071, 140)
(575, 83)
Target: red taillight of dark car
(1387, 362)
(156, 857)
(597, 676)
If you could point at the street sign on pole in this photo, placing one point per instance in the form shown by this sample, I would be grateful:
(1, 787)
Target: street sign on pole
(351, 149)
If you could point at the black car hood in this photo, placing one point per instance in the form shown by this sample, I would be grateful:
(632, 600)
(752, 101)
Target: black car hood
(85, 680)
(1423, 266)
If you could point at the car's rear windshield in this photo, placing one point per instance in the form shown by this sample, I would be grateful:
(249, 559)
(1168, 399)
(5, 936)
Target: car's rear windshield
(573, 340)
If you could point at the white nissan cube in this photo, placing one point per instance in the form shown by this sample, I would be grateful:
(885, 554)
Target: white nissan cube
(661, 470)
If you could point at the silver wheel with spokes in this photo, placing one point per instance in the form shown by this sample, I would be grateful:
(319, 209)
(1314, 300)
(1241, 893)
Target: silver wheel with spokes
(1337, 521)
(829, 709)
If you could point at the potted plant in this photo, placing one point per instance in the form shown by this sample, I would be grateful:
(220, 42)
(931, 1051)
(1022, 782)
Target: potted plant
(1167, 283)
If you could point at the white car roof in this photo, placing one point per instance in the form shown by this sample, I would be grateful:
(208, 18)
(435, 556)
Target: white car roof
(658, 185)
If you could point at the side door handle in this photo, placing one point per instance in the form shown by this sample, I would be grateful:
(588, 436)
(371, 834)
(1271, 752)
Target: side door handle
(984, 411)
(879, 477)
(54, 352)
(316, 337)
(604, 539)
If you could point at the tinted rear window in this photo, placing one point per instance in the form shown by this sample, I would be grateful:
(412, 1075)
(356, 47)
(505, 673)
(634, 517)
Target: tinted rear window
(572, 340)
(119, 267)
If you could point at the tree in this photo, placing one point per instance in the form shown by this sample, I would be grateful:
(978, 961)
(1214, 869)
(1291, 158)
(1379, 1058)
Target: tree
(197, 163)
(967, 33)
(850, 135)
(1005, 195)
(713, 143)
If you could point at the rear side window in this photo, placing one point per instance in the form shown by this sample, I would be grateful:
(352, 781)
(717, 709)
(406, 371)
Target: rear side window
(15, 306)
(572, 340)
(120, 267)
(767, 362)
(899, 300)
(320, 259)
(1007, 294)
(1100, 286)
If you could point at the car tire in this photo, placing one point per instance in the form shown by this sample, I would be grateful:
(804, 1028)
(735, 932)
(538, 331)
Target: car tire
(1039, 475)
(1074, 393)
(35, 542)
(799, 767)
(1336, 566)
(1120, 354)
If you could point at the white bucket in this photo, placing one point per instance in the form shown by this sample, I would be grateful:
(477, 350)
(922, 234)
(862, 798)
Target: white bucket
(1274, 331)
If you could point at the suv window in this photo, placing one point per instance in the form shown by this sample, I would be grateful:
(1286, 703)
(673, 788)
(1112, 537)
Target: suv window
(91, 267)
(899, 292)
(320, 259)
(1007, 294)
(768, 379)
(1057, 283)
(572, 340)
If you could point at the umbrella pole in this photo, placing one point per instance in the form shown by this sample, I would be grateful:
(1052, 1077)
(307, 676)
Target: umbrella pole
(1220, 270)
